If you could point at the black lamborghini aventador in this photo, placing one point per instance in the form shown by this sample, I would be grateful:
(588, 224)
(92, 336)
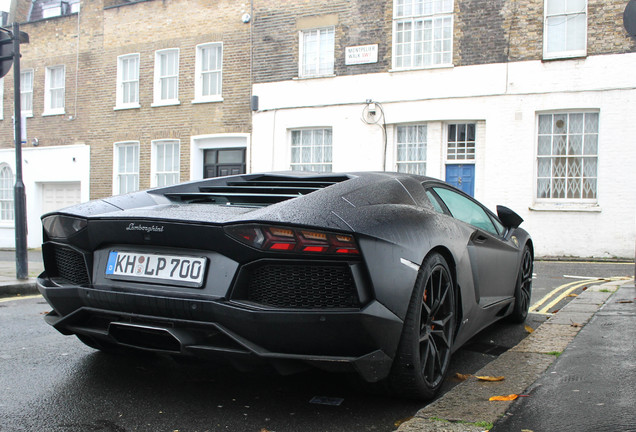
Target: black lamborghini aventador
(384, 274)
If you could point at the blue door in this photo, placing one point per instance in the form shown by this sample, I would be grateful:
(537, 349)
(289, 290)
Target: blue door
(462, 177)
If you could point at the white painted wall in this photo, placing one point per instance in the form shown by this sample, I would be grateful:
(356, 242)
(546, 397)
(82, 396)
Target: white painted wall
(504, 99)
(42, 165)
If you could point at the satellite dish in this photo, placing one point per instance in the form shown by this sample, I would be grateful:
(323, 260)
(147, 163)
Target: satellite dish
(629, 17)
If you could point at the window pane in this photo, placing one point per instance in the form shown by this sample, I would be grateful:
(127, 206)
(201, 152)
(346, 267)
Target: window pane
(556, 7)
(6, 194)
(127, 167)
(556, 33)
(311, 150)
(168, 64)
(466, 210)
(230, 156)
(574, 6)
(576, 32)
(566, 26)
(423, 34)
(411, 149)
(210, 74)
(318, 52)
(166, 162)
(562, 171)
(461, 141)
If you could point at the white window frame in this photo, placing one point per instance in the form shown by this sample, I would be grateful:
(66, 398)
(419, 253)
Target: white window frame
(120, 91)
(156, 171)
(318, 161)
(440, 15)
(551, 19)
(48, 89)
(117, 175)
(463, 152)
(404, 148)
(584, 153)
(6, 194)
(200, 74)
(159, 78)
(316, 63)
(26, 92)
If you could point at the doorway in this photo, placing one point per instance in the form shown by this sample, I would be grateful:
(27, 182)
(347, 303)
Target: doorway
(462, 176)
(220, 162)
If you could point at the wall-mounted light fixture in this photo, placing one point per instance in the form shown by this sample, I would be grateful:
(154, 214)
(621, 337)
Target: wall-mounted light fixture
(35, 142)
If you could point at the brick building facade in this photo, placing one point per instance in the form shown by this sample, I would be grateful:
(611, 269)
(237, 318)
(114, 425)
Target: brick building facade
(468, 91)
(110, 47)
(522, 103)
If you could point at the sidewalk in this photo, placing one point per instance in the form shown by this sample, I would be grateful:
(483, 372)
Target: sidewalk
(9, 284)
(587, 388)
(590, 387)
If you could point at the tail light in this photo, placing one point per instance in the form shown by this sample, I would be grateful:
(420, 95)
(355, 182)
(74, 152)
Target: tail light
(62, 226)
(286, 239)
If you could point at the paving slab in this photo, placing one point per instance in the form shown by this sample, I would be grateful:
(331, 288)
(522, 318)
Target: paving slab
(591, 385)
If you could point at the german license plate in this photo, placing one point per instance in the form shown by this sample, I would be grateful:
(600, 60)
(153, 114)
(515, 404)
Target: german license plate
(173, 269)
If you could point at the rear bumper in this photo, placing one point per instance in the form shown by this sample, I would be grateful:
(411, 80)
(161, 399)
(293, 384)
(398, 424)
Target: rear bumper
(361, 340)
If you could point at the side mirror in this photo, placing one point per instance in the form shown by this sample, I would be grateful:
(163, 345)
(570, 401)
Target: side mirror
(509, 218)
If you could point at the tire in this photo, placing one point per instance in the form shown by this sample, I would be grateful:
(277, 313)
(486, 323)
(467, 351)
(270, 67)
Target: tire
(423, 355)
(523, 289)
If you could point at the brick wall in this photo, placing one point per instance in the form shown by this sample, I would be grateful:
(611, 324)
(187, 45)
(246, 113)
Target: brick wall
(480, 34)
(169, 28)
(485, 31)
(606, 34)
(356, 22)
(91, 69)
(523, 22)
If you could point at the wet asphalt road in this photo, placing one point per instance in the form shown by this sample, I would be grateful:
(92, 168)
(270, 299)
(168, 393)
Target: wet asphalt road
(49, 382)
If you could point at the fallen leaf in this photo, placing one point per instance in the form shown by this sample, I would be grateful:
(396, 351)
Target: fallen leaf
(489, 378)
(528, 328)
(462, 377)
(504, 398)
(573, 295)
(576, 325)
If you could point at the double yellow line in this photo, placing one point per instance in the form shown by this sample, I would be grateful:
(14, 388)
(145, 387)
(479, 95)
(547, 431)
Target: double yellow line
(563, 291)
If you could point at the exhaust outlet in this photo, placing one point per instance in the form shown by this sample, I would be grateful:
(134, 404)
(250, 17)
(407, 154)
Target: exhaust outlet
(146, 337)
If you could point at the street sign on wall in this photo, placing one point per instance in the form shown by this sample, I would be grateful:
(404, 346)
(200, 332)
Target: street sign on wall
(361, 54)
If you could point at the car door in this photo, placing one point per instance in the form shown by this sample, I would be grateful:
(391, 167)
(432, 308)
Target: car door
(493, 258)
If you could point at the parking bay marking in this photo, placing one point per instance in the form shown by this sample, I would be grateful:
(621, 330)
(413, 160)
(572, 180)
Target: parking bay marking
(567, 289)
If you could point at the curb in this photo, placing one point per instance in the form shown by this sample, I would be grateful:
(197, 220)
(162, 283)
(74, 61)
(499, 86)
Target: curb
(466, 407)
(18, 288)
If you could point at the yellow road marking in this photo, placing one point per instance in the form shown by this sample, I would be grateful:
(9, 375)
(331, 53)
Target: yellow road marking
(547, 297)
(567, 289)
(4, 300)
(566, 292)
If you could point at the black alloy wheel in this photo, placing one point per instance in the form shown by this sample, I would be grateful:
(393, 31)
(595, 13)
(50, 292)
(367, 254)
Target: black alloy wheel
(523, 290)
(424, 352)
